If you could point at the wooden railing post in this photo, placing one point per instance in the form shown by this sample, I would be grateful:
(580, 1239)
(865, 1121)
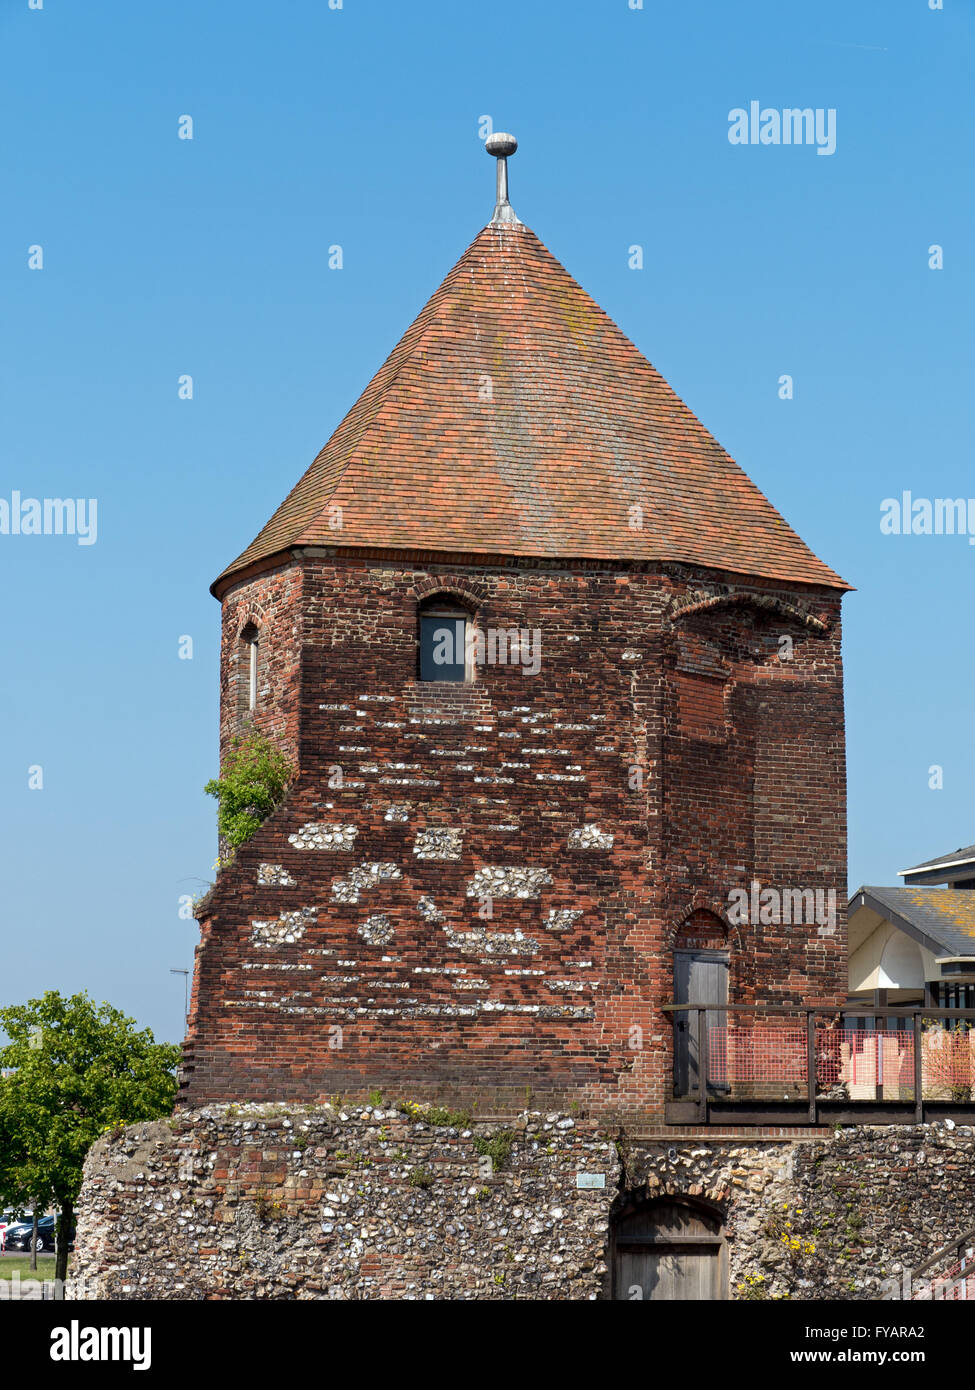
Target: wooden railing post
(879, 1024)
(918, 1072)
(811, 1063)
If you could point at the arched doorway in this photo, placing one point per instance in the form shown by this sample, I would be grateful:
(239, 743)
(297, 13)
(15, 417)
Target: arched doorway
(668, 1249)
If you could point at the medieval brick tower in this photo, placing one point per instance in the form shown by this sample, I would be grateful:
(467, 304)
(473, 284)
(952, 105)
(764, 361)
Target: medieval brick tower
(555, 678)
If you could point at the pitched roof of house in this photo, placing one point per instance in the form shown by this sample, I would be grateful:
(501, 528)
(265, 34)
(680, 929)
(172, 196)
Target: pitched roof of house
(514, 418)
(943, 917)
(958, 856)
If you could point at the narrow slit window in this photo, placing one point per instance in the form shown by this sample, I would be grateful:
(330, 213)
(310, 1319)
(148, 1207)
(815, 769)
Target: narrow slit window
(249, 667)
(252, 674)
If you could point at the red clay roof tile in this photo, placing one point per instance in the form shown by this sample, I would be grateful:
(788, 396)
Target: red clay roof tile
(514, 418)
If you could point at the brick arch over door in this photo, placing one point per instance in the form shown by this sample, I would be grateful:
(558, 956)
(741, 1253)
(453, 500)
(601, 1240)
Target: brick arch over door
(704, 916)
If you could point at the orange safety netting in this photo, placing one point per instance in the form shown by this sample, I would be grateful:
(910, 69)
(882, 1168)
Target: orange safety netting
(859, 1058)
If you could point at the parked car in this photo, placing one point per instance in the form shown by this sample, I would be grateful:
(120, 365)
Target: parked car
(18, 1237)
(11, 1218)
(15, 1234)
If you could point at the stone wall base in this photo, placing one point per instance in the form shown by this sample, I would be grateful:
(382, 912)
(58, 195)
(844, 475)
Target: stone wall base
(286, 1202)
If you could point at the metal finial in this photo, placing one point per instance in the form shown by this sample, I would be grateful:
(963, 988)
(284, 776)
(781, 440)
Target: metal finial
(500, 144)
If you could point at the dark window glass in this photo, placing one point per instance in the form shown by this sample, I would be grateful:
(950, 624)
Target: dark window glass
(442, 646)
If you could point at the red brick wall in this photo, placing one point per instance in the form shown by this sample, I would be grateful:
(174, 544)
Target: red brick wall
(701, 711)
(766, 802)
(272, 603)
(516, 763)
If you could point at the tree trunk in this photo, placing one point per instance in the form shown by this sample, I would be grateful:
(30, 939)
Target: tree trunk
(33, 1241)
(65, 1222)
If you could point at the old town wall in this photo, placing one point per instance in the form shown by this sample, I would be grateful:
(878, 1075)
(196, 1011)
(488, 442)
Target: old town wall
(381, 1201)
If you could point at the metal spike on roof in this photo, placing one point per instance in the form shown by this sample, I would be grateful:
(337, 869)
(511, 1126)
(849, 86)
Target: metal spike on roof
(500, 144)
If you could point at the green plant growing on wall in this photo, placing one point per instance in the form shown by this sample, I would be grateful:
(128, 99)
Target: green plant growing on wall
(253, 783)
(784, 1228)
(437, 1115)
(497, 1148)
(754, 1287)
(265, 1209)
(624, 1153)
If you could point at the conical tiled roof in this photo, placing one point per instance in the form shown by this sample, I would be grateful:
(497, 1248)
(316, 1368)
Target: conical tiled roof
(514, 418)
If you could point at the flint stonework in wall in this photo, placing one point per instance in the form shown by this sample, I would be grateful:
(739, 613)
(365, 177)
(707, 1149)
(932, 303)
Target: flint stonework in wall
(348, 1201)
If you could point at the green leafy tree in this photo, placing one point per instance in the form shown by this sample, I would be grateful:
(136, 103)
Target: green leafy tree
(19, 1182)
(253, 783)
(74, 1071)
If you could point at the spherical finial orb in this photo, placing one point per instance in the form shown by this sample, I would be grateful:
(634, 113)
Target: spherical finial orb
(500, 144)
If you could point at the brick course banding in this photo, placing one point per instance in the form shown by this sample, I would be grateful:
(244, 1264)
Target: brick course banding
(501, 776)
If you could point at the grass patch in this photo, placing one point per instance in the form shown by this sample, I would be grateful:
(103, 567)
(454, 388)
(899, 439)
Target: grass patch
(21, 1263)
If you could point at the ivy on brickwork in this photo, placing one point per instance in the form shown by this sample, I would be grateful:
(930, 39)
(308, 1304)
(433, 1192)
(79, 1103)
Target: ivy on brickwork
(254, 782)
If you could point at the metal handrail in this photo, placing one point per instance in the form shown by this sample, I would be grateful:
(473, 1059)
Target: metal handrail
(952, 1248)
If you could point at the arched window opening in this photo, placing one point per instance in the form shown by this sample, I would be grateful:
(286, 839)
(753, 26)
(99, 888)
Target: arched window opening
(445, 647)
(248, 666)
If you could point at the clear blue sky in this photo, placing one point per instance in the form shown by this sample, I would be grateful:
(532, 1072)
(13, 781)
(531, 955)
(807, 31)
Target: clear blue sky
(359, 126)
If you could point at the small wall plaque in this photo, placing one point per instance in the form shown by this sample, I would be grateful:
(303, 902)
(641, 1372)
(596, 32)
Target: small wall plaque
(590, 1179)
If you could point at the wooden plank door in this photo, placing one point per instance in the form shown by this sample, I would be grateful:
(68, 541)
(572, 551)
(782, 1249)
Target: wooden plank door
(700, 977)
(667, 1251)
(669, 1273)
